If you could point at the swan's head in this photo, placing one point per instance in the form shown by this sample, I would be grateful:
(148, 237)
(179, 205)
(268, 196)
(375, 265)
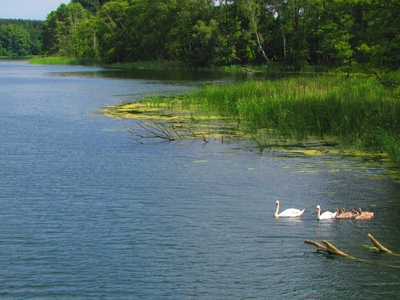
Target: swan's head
(318, 208)
(277, 203)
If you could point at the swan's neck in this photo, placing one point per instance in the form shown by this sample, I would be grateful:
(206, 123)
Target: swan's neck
(277, 210)
(319, 213)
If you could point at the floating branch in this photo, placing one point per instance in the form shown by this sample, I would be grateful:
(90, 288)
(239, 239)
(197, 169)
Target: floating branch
(329, 248)
(335, 250)
(316, 244)
(380, 247)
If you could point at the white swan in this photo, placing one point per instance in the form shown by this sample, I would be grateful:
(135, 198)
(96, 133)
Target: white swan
(325, 215)
(290, 212)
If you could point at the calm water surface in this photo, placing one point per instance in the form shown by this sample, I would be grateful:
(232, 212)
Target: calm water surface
(88, 213)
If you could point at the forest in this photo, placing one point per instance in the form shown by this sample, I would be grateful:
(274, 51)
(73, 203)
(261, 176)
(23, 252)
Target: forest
(343, 35)
(20, 38)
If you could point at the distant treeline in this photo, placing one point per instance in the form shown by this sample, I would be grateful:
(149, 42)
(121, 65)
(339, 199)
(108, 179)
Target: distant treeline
(20, 38)
(340, 34)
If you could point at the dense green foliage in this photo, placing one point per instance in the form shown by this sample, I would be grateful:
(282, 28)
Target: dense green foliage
(92, 6)
(20, 37)
(340, 34)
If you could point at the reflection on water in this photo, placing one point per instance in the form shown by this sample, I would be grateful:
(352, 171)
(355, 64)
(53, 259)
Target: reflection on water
(191, 77)
(167, 76)
(87, 213)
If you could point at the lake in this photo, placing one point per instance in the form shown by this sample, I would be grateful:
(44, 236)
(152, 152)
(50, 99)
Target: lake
(88, 213)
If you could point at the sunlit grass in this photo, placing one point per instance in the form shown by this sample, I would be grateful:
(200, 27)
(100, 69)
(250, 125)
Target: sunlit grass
(18, 57)
(148, 65)
(65, 61)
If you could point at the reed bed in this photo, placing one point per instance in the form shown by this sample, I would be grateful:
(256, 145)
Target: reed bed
(359, 111)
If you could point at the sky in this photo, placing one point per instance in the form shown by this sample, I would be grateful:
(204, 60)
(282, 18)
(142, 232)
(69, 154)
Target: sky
(28, 9)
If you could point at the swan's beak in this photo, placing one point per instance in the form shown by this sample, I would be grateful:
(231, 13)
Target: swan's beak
(316, 210)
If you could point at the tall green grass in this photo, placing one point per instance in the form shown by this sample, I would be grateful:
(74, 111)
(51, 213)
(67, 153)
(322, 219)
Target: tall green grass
(65, 61)
(97, 62)
(359, 111)
(17, 57)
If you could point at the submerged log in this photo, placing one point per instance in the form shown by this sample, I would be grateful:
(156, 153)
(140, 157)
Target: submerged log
(334, 250)
(380, 247)
(316, 244)
(328, 248)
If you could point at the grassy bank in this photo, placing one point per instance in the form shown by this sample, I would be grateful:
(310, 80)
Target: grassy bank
(358, 111)
(17, 57)
(159, 65)
(64, 61)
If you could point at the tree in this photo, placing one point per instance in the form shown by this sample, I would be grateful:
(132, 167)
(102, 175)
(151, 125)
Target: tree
(150, 41)
(33, 28)
(92, 6)
(252, 10)
(114, 41)
(295, 33)
(14, 40)
(237, 40)
(193, 36)
(203, 44)
(379, 47)
(60, 27)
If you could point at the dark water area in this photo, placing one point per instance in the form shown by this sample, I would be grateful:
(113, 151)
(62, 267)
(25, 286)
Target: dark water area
(87, 213)
(165, 75)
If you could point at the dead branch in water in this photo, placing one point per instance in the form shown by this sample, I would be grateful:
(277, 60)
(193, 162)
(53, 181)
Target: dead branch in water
(380, 247)
(316, 244)
(329, 248)
(151, 129)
